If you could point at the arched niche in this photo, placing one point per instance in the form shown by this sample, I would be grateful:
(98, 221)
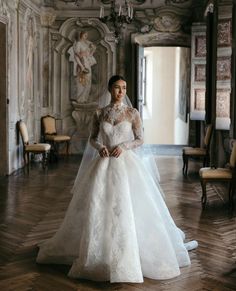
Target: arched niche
(75, 116)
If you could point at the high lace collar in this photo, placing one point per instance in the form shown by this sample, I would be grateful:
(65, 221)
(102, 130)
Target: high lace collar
(116, 105)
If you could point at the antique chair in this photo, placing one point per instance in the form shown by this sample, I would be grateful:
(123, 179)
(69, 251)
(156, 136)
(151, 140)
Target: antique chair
(50, 135)
(198, 152)
(227, 174)
(34, 148)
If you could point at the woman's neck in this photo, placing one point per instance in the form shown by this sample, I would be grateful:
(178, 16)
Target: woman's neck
(116, 103)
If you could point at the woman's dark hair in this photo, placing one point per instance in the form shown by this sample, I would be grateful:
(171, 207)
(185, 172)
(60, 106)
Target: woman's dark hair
(114, 79)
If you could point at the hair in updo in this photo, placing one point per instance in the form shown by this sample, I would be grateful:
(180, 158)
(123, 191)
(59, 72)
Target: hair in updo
(79, 34)
(114, 79)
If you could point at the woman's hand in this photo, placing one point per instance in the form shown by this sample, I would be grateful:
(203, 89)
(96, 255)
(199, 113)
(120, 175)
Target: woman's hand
(116, 152)
(104, 152)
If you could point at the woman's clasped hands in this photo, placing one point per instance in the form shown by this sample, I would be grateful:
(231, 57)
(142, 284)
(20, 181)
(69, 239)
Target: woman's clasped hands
(116, 152)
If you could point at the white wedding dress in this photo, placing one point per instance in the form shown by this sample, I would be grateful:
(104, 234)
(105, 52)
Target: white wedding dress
(117, 227)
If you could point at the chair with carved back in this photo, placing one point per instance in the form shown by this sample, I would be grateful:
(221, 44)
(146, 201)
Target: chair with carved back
(198, 152)
(50, 135)
(226, 174)
(32, 148)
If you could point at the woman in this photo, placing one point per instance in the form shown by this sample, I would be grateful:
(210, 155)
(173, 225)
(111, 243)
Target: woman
(83, 51)
(117, 227)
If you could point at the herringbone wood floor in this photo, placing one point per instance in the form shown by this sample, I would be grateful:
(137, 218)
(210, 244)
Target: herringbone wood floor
(32, 207)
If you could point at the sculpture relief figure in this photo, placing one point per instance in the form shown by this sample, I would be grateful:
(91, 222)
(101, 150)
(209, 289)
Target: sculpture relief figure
(82, 56)
(30, 45)
(29, 56)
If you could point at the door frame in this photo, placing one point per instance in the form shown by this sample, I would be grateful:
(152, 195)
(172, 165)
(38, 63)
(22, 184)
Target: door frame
(4, 133)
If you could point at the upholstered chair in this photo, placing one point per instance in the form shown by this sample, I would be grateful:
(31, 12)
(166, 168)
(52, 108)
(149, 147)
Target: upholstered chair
(198, 152)
(213, 175)
(33, 148)
(51, 135)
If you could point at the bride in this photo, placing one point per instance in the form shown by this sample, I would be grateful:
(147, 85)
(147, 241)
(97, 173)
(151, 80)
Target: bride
(117, 227)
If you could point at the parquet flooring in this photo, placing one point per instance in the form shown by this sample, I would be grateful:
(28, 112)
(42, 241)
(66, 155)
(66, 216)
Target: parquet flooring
(33, 205)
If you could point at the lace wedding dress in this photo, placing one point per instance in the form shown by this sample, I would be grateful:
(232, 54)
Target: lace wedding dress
(117, 227)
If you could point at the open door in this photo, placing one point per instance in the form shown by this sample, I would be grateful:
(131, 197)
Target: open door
(3, 103)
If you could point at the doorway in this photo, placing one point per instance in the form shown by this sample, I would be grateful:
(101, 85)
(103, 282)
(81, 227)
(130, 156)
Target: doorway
(166, 89)
(3, 103)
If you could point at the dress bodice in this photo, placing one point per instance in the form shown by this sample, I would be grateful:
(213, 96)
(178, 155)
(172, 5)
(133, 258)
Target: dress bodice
(116, 126)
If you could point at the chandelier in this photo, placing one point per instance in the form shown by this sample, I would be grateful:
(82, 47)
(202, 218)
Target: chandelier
(120, 15)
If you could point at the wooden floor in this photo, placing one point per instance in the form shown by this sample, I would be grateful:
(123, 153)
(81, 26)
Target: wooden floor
(32, 207)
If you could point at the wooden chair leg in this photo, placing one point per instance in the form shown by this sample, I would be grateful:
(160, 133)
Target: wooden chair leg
(56, 151)
(44, 160)
(67, 147)
(183, 157)
(185, 165)
(53, 152)
(25, 158)
(28, 161)
(204, 195)
(46, 157)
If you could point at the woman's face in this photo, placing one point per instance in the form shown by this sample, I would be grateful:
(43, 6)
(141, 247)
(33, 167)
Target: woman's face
(118, 91)
(84, 35)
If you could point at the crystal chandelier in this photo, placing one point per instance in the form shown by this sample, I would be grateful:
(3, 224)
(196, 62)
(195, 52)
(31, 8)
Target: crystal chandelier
(119, 16)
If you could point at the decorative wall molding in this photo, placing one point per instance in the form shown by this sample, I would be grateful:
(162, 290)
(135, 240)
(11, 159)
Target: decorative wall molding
(224, 37)
(223, 68)
(47, 16)
(167, 22)
(223, 103)
(200, 73)
(76, 114)
(200, 46)
(199, 100)
(3, 7)
(163, 38)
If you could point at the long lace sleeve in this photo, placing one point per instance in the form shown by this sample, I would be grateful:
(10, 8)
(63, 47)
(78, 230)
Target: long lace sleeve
(137, 130)
(94, 136)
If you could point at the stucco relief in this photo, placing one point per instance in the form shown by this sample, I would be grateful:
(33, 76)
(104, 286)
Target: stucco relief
(199, 99)
(81, 55)
(200, 46)
(223, 68)
(6, 15)
(3, 7)
(28, 86)
(163, 38)
(224, 33)
(223, 103)
(84, 58)
(199, 72)
(47, 16)
(167, 22)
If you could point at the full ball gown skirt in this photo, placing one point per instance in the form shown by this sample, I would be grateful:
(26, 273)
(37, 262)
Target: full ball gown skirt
(117, 227)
